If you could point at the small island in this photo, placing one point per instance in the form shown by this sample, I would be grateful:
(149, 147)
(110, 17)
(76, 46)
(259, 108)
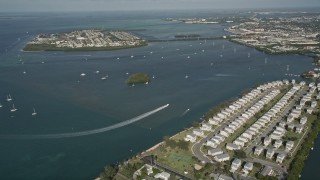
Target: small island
(85, 40)
(138, 78)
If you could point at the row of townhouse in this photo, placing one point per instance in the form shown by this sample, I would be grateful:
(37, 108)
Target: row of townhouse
(249, 133)
(235, 106)
(269, 153)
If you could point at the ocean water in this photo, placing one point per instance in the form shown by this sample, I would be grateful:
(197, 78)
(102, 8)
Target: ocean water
(217, 71)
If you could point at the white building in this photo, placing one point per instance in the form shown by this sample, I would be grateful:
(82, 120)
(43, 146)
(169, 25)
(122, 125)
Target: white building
(191, 138)
(215, 152)
(267, 141)
(289, 145)
(277, 144)
(222, 157)
(248, 166)
(270, 153)
(163, 175)
(236, 163)
(280, 158)
(198, 132)
(258, 150)
(232, 147)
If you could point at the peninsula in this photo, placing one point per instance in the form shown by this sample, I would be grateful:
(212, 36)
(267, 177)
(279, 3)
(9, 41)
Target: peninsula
(265, 134)
(85, 40)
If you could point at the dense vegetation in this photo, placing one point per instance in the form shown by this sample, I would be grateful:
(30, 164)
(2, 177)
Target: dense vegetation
(138, 78)
(108, 173)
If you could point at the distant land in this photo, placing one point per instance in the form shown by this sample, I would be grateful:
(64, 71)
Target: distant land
(85, 40)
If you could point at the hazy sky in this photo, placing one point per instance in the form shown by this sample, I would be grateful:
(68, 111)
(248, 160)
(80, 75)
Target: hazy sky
(101, 5)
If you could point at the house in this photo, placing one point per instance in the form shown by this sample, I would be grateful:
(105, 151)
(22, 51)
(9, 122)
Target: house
(290, 118)
(191, 138)
(163, 175)
(215, 151)
(236, 163)
(299, 128)
(266, 171)
(303, 120)
(241, 138)
(267, 141)
(224, 177)
(277, 144)
(258, 150)
(220, 137)
(248, 166)
(222, 157)
(247, 135)
(229, 130)
(282, 124)
(206, 127)
(309, 110)
(215, 120)
(238, 142)
(231, 146)
(198, 132)
(289, 145)
(275, 135)
(224, 133)
(270, 153)
(280, 157)
(211, 143)
(216, 140)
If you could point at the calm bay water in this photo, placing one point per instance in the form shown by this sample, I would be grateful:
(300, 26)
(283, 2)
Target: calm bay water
(65, 102)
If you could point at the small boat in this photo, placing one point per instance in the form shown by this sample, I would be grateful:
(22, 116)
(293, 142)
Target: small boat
(147, 83)
(82, 74)
(153, 76)
(104, 77)
(97, 72)
(132, 56)
(118, 58)
(9, 98)
(13, 109)
(1, 105)
(186, 77)
(151, 52)
(34, 112)
(188, 57)
(24, 72)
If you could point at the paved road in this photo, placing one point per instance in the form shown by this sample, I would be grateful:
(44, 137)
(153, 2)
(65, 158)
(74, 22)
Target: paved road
(196, 148)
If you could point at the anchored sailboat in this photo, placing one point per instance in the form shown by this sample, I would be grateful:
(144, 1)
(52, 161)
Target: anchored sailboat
(34, 112)
(13, 109)
(9, 98)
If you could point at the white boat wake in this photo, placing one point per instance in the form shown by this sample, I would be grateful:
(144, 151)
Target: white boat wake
(185, 112)
(85, 133)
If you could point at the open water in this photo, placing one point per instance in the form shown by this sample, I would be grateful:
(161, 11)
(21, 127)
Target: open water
(217, 71)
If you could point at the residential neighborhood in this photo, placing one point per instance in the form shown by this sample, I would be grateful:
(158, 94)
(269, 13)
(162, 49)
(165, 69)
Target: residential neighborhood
(258, 134)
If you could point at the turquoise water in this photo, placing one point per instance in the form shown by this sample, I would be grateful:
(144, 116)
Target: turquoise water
(66, 102)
